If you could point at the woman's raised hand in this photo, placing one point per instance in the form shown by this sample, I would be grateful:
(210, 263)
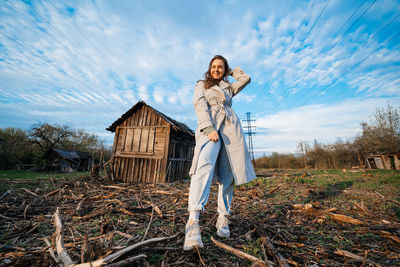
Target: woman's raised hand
(213, 136)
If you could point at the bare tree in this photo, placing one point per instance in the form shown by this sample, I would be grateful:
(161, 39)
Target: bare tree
(382, 134)
(304, 147)
(48, 137)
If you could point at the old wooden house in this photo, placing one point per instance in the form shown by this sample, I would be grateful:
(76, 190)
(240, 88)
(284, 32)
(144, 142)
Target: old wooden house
(59, 160)
(150, 147)
(383, 161)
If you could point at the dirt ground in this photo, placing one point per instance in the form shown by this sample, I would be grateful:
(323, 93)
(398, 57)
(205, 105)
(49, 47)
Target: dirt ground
(310, 218)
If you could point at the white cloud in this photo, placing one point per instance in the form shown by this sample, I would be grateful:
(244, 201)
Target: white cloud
(159, 94)
(243, 97)
(282, 131)
(143, 92)
(113, 54)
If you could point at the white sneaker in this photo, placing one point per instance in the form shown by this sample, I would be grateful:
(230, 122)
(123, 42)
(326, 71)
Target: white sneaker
(222, 227)
(193, 235)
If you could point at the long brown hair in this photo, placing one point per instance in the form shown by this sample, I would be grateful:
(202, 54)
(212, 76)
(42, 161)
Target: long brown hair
(208, 80)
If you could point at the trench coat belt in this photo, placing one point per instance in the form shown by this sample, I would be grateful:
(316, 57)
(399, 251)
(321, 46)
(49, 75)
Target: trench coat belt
(227, 110)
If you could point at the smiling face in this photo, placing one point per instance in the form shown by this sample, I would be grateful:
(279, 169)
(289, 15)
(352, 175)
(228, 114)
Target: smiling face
(217, 69)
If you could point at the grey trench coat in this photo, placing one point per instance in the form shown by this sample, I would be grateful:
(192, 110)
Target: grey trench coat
(213, 108)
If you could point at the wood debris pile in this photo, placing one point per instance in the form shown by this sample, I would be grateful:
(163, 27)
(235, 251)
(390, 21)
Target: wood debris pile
(94, 222)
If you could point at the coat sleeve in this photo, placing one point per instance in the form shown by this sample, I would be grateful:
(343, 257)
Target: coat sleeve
(201, 107)
(242, 79)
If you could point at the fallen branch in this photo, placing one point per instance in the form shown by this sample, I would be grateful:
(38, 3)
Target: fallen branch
(148, 227)
(355, 257)
(127, 261)
(127, 236)
(391, 237)
(126, 212)
(102, 211)
(119, 202)
(162, 192)
(157, 209)
(240, 253)
(272, 190)
(30, 192)
(7, 218)
(102, 197)
(61, 252)
(51, 251)
(117, 254)
(200, 258)
(271, 249)
(308, 208)
(52, 192)
(78, 208)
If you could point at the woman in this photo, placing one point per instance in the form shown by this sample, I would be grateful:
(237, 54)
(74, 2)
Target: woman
(220, 151)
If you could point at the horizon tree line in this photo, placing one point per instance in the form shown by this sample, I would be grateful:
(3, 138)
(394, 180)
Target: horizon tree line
(378, 136)
(30, 147)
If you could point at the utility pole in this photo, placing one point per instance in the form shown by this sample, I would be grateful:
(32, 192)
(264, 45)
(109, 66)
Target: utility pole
(250, 134)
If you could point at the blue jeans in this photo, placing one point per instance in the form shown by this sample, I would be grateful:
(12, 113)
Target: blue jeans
(201, 181)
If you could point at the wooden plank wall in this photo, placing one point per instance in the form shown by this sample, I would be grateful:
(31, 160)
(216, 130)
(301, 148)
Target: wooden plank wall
(140, 148)
(180, 157)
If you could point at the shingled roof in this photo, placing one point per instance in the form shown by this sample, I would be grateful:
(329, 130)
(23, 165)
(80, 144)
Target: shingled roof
(72, 155)
(176, 125)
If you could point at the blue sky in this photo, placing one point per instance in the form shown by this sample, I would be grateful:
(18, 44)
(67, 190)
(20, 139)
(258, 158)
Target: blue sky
(318, 67)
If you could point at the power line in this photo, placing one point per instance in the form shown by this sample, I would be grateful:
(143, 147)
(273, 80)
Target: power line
(359, 47)
(277, 103)
(40, 56)
(290, 46)
(353, 67)
(344, 24)
(354, 23)
(308, 33)
(351, 26)
(77, 48)
(364, 43)
(312, 27)
(77, 29)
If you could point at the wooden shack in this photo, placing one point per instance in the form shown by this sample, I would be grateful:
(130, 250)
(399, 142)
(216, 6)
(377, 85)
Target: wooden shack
(59, 160)
(383, 161)
(150, 147)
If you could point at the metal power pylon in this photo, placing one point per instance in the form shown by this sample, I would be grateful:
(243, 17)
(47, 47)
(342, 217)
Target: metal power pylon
(250, 134)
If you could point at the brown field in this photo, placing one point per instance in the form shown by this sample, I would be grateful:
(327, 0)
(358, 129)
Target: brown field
(312, 218)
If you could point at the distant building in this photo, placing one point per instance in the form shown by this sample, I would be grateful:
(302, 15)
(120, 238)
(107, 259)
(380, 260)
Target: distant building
(383, 161)
(68, 161)
(150, 147)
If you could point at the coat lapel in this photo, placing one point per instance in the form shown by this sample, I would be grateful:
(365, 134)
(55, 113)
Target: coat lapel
(218, 88)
